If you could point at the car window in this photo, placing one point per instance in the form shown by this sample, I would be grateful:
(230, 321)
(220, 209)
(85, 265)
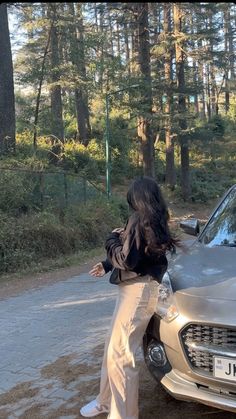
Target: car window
(221, 229)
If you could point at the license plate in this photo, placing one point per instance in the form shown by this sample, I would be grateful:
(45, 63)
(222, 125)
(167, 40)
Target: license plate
(225, 368)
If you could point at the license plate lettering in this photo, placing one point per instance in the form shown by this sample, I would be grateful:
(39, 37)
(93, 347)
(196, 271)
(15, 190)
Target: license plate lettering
(225, 368)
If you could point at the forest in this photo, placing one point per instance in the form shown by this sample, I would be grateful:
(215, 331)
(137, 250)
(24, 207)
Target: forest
(108, 91)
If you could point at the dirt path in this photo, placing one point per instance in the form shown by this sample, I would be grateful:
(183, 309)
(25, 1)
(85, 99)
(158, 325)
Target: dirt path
(12, 285)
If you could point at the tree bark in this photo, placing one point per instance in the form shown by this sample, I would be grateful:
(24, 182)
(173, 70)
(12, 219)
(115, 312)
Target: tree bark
(36, 114)
(118, 39)
(144, 120)
(96, 16)
(184, 149)
(101, 53)
(57, 127)
(208, 89)
(78, 60)
(111, 47)
(195, 72)
(195, 78)
(170, 178)
(127, 49)
(155, 23)
(212, 73)
(200, 76)
(231, 47)
(226, 39)
(7, 97)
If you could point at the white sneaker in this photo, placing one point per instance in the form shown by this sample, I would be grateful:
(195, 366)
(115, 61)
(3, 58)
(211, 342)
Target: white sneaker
(93, 409)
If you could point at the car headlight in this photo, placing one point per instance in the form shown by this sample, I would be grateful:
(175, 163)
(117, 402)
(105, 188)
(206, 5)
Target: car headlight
(166, 307)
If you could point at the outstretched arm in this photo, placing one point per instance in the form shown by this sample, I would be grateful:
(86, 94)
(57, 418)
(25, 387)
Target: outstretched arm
(101, 268)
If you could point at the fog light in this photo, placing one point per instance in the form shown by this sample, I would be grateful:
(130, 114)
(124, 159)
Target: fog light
(157, 354)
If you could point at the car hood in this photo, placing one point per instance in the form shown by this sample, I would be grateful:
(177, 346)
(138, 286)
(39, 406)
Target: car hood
(205, 272)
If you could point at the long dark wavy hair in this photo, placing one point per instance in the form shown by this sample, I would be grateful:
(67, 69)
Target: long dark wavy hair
(145, 198)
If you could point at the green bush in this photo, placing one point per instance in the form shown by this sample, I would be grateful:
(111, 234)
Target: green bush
(15, 192)
(30, 239)
(217, 126)
(205, 185)
(76, 158)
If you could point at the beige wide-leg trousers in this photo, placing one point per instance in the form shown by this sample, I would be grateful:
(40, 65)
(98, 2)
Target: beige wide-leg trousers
(119, 385)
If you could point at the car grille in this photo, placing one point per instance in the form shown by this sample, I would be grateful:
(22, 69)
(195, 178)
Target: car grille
(203, 342)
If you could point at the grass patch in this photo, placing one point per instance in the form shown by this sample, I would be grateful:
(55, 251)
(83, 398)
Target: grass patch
(57, 239)
(50, 265)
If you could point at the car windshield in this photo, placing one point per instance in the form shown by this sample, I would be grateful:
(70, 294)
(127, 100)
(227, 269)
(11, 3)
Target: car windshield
(221, 230)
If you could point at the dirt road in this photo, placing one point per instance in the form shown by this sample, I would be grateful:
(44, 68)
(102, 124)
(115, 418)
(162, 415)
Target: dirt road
(51, 345)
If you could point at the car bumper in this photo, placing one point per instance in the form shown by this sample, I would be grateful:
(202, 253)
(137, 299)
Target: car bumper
(183, 381)
(183, 389)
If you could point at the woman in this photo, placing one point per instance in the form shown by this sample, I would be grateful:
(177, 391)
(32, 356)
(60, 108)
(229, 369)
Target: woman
(137, 257)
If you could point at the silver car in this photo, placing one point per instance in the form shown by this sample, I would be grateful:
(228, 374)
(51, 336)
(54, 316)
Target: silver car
(190, 342)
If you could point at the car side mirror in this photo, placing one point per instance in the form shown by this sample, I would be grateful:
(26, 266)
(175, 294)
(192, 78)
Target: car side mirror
(190, 226)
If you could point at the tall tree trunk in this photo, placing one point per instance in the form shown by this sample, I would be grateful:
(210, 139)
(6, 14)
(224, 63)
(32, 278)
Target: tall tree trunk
(226, 39)
(57, 127)
(101, 53)
(202, 100)
(134, 46)
(7, 97)
(127, 49)
(155, 23)
(195, 78)
(231, 47)
(195, 70)
(213, 89)
(144, 120)
(208, 89)
(111, 47)
(96, 16)
(159, 19)
(78, 60)
(184, 149)
(170, 159)
(212, 72)
(200, 76)
(36, 113)
(118, 40)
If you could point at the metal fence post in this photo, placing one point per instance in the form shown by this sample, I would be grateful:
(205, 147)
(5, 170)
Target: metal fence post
(66, 189)
(41, 188)
(108, 160)
(85, 189)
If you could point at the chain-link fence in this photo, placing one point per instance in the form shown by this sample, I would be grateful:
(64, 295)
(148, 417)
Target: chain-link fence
(41, 189)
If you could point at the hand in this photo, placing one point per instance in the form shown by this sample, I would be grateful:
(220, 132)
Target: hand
(97, 270)
(118, 230)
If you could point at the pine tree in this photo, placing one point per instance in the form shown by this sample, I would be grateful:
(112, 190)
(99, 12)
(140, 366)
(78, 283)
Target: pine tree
(77, 57)
(57, 125)
(144, 120)
(180, 76)
(7, 98)
(170, 161)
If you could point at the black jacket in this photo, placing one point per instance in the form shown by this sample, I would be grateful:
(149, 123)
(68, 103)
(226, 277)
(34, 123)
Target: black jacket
(126, 256)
